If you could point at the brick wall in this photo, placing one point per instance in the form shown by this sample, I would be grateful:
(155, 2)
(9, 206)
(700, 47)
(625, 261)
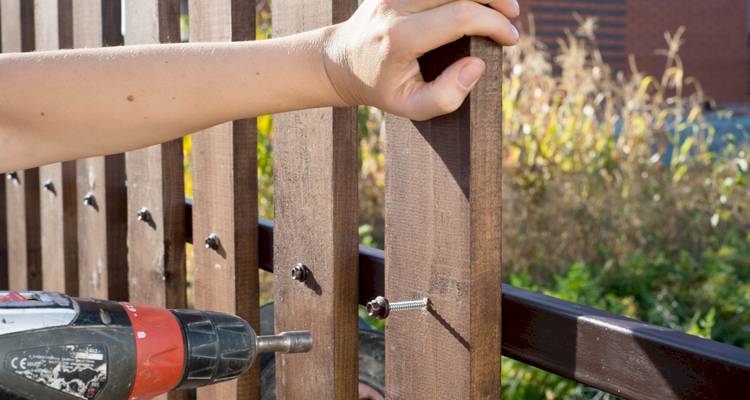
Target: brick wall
(716, 41)
(715, 49)
(553, 17)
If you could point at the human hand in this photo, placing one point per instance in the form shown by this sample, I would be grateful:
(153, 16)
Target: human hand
(371, 58)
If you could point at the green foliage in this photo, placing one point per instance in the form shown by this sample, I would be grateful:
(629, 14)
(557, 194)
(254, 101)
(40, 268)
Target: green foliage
(707, 296)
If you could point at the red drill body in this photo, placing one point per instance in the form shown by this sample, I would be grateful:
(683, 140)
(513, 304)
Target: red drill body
(56, 347)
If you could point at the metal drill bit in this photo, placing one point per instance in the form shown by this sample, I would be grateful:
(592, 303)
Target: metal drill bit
(285, 342)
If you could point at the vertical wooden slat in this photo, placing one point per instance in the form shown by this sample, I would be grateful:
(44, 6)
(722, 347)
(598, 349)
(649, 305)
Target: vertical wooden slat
(53, 27)
(22, 194)
(3, 219)
(225, 198)
(102, 226)
(315, 168)
(443, 226)
(3, 237)
(156, 243)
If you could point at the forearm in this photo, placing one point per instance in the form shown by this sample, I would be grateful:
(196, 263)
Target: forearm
(77, 103)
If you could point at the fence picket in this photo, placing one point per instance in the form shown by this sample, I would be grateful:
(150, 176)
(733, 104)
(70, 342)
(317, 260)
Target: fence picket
(156, 239)
(53, 27)
(22, 194)
(3, 236)
(226, 199)
(315, 168)
(443, 210)
(100, 181)
(156, 192)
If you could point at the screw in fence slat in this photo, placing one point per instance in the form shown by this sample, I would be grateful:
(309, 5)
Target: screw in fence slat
(13, 176)
(144, 215)
(49, 185)
(212, 242)
(90, 200)
(300, 273)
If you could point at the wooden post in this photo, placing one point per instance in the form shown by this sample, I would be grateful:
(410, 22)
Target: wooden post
(225, 199)
(100, 181)
(443, 227)
(53, 27)
(315, 168)
(156, 194)
(22, 189)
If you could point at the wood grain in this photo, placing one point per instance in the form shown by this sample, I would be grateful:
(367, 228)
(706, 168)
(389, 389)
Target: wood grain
(102, 227)
(22, 194)
(226, 199)
(315, 177)
(53, 27)
(24, 244)
(443, 226)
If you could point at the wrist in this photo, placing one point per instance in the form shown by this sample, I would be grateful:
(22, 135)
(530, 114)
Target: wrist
(335, 66)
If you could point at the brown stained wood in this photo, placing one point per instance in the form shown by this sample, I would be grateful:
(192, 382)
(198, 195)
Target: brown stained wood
(102, 226)
(24, 242)
(57, 195)
(3, 219)
(315, 175)
(226, 200)
(65, 23)
(3, 238)
(443, 210)
(156, 244)
(22, 194)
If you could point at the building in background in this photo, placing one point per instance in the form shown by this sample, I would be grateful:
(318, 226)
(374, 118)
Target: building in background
(716, 48)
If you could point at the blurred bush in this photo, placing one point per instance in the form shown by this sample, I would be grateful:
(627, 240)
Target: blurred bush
(620, 195)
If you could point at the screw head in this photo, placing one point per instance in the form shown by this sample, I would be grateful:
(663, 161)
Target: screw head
(144, 215)
(212, 242)
(378, 308)
(300, 273)
(49, 185)
(89, 200)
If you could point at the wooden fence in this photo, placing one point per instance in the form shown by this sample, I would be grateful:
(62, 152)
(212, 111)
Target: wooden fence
(116, 227)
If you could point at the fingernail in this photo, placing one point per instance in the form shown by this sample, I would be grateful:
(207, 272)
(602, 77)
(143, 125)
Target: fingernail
(470, 74)
(515, 32)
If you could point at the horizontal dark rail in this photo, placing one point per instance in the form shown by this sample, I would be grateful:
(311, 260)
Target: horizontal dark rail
(622, 356)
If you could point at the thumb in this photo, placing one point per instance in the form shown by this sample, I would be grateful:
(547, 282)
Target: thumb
(447, 92)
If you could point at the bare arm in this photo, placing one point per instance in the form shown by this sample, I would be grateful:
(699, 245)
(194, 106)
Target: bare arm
(71, 104)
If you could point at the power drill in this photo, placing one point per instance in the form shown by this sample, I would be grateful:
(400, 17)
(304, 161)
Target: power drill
(57, 347)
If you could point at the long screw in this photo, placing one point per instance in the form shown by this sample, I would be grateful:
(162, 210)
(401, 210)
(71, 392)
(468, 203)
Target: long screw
(381, 308)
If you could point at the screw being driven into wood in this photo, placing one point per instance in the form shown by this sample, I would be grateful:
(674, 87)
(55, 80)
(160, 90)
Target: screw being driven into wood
(380, 307)
(300, 273)
(144, 215)
(212, 242)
